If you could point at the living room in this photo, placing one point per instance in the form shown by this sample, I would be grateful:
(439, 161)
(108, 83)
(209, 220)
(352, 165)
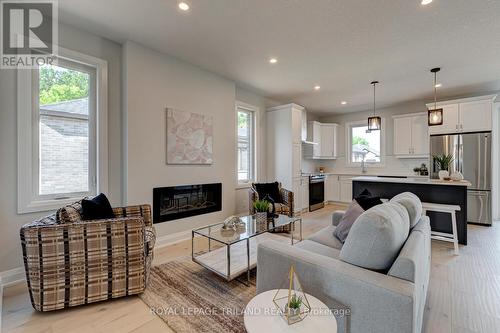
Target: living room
(344, 153)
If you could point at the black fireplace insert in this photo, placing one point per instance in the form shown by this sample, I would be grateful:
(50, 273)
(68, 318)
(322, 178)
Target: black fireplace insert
(176, 202)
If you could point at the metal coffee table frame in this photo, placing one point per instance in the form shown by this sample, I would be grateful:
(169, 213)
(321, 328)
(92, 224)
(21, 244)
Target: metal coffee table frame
(197, 232)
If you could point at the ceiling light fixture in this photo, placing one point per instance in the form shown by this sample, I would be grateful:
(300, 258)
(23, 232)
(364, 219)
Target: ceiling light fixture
(438, 85)
(435, 116)
(273, 60)
(426, 2)
(343, 102)
(183, 6)
(374, 122)
(317, 87)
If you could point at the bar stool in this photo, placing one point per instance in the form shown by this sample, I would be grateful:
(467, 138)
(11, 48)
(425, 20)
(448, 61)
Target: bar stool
(443, 236)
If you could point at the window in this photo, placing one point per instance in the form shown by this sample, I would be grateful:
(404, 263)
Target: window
(66, 133)
(245, 128)
(62, 153)
(364, 145)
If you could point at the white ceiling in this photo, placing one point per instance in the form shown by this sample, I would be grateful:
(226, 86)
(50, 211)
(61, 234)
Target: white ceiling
(341, 45)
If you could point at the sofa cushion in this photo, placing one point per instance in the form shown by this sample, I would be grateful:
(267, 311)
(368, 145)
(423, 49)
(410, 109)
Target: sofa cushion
(70, 213)
(325, 236)
(97, 208)
(412, 204)
(377, 237)
(319, 248)
(352, 213)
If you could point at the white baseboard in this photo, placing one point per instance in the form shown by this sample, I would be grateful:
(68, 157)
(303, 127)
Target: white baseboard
(11, 277)
(173, 238)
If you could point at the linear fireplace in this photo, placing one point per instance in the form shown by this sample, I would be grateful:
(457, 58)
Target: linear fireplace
(176, 202)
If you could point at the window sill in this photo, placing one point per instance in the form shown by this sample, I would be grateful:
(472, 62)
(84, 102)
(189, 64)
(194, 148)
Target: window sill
(44, 205)
(242, 186)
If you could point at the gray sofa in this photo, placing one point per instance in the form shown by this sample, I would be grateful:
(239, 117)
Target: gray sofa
(388, 299)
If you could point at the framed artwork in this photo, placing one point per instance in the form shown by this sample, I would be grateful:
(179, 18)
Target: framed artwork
(189, 137)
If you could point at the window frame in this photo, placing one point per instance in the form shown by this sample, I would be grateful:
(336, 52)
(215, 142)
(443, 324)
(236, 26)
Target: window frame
(29, 199)
(254, 142)
(348, 140)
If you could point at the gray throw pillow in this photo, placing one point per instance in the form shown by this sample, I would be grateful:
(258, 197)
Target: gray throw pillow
(353, 212)
(377, 236)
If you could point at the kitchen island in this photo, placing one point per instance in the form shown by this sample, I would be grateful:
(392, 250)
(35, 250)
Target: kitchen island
(428, 190)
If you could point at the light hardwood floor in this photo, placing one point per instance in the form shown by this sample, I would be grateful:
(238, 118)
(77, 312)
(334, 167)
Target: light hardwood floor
(464, 293)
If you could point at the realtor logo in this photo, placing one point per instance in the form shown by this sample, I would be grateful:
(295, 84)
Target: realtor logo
(28, 33)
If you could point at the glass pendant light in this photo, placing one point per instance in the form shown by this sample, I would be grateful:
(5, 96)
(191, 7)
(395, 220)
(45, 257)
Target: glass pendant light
(374, 122)
(435, 116)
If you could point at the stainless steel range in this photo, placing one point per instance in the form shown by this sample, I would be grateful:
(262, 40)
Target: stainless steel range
(316, 192)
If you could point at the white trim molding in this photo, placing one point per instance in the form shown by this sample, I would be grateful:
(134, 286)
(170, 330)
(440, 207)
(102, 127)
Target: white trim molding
(27, 201)
(170, 239)
(12, 276)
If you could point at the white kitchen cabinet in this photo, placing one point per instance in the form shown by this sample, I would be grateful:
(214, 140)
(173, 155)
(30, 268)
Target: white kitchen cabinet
(328, 141)
(332, 188)
(420, 135)
(304, 193)
(297, 194)
(465, 115)
(296, 160)
(450, 120)
(284, 148)
(411, 137)
(324, 136)
(345, 189)
(476, 116)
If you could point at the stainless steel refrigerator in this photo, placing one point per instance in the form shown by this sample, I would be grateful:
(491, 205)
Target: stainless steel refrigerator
(472, 157)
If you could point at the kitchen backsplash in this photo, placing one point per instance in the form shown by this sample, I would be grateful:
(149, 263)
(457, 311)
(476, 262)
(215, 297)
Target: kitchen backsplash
(392, 166)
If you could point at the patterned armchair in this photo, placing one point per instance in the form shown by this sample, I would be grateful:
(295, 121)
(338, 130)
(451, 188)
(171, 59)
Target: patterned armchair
(285, 207)
(71, 262)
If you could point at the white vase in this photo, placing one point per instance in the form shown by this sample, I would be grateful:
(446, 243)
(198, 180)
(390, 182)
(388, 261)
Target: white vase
(456, 176)
(443, 174)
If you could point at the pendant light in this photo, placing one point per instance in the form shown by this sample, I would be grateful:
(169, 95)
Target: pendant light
(435, 116)
(374, 122)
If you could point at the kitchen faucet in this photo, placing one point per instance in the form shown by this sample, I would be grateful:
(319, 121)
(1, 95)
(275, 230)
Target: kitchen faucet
(363, 163)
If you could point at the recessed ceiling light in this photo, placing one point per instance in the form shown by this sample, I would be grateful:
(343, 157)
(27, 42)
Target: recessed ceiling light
(273, 60)
(438, 85)
(317, 87)
(183, 6)
(343, 102)
(426, 2)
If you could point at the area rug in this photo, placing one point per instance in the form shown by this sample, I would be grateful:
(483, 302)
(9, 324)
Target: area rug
(190, 298)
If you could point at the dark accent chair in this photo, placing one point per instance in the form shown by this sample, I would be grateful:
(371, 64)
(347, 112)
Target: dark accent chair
(285, 207)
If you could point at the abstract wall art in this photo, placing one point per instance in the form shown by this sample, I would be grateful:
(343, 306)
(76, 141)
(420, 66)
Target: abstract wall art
(189, 137)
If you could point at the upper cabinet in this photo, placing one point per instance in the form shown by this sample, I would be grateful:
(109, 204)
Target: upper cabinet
(465, 115)
(411, 138)
(324, 137)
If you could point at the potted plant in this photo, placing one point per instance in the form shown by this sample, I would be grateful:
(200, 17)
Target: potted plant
(293, 307)
(416, 171)
(443, 162)
(261, 209)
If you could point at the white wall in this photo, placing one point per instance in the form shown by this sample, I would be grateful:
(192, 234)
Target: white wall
(10, 221)
(154, 81)
(392, 165)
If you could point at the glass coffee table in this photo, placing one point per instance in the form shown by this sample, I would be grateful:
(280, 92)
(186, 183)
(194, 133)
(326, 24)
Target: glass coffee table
(231, 253)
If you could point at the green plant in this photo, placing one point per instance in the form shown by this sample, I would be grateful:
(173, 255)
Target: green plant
(416, 169)
(295, 302)
(443, 161)
(261, 206)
